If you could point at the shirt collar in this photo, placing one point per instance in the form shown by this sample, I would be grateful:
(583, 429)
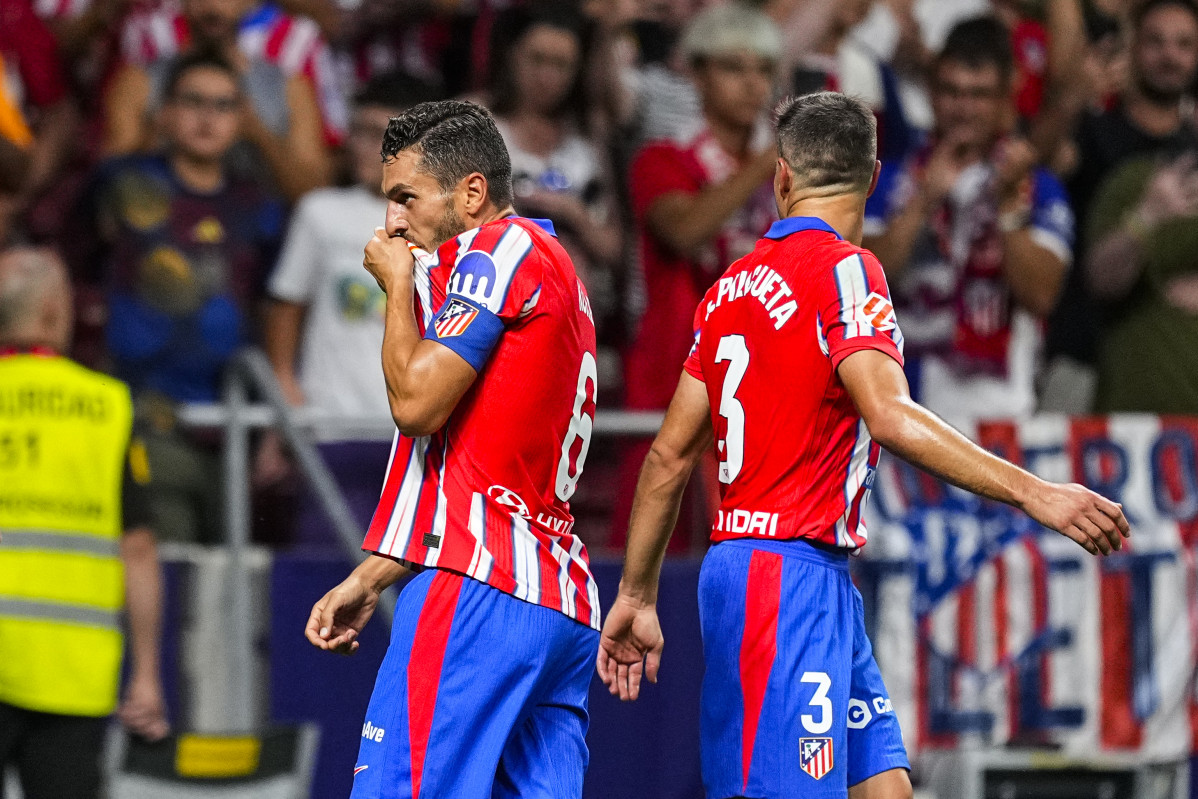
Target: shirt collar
(796, 224)
(544, 224)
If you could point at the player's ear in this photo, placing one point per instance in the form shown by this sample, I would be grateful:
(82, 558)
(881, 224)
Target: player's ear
(873, 182)
(473, 194)
(783, 181)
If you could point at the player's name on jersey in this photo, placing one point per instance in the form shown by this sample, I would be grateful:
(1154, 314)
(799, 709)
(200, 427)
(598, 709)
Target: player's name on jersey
(584, 303)
(744, 522)
(764, 285)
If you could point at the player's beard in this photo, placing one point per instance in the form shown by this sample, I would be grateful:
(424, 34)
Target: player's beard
(449, 226)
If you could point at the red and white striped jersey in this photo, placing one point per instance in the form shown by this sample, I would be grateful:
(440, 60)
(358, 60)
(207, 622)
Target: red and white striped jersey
(488, 494)
(294, 44)
(796, 460)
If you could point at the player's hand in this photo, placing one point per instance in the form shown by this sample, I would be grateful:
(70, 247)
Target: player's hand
(630, 647)
(338, 618)
(143, 709)
(388, 259)
(1078, 513)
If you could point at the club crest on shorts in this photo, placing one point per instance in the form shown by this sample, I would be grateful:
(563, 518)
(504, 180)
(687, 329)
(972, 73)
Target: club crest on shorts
(815, 756)
(454, 320)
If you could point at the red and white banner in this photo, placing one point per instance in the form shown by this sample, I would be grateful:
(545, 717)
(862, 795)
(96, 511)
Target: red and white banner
(990, 630)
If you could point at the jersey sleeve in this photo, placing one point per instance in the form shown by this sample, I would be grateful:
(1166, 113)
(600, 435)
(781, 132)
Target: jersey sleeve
(495, 282)
(135, 487)
(1052, 223)
(658, 170)
(856, 312)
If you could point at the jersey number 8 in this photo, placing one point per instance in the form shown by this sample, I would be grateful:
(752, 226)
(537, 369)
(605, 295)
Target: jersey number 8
(580, 429)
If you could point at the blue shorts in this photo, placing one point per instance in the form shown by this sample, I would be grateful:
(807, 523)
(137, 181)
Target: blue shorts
(480, 695)
(793, 705)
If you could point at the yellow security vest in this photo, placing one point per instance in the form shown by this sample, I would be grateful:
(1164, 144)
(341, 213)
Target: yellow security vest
(64, 433)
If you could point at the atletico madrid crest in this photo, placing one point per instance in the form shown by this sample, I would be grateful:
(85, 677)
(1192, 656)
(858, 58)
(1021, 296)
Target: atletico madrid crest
(454, 320)
(815, 756)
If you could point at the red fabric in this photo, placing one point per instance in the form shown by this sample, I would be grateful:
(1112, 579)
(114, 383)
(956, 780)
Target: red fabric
(425, 663)
(798, 306)
(1119, 727)
(42, 352)
(481, 497)
(674, 284)
(293, 43)
(1029, 44)
(27, 44)
(759, 647)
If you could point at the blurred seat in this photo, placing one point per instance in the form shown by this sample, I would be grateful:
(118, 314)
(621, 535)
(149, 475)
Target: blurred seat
(273, 764)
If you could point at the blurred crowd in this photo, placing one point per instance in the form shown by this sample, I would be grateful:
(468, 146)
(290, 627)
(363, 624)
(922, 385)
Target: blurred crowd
(209, 171)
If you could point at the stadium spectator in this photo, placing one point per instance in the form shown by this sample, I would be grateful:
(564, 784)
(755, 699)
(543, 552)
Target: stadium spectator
(293, 112)
(15, 137)
(426, 38)
(1148, 119)
(40, 108)
(839, 62)
(184, 248)
(975, 238)
(538, 97)
(60, 629)
(700, 201)
(1144, 224)
(324, 324)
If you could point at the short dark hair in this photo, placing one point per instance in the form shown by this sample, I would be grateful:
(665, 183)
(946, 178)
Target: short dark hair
(1142, 11)
(203, 58)
(829, 140)
(454, 138)
(399, 90)
(980, 42)
(511, 26)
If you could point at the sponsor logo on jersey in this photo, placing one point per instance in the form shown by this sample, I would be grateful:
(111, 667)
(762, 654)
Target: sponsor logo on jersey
(859, 714)
(372, 733)
(360, 769)
(815, 756)
(474, 276)
(455, 319)
(879, 312)
(510, 500)
(557, 526)
(757, 522)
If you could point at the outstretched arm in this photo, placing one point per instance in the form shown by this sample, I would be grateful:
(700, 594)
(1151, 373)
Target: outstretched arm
(879, 389)
(631, 644)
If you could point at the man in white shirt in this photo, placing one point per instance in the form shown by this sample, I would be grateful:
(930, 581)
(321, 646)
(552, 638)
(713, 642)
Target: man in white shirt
(324, 325)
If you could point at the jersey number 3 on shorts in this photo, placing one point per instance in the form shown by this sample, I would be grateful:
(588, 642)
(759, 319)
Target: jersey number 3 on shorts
(819, 701)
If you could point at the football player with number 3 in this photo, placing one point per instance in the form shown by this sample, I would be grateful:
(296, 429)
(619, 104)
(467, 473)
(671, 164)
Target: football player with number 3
(489, 359)
(796, 373)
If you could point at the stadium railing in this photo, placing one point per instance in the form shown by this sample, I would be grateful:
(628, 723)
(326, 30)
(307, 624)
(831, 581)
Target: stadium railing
(250, 376)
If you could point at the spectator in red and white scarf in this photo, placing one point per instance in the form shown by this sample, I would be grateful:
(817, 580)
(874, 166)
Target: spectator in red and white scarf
(975, 238)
